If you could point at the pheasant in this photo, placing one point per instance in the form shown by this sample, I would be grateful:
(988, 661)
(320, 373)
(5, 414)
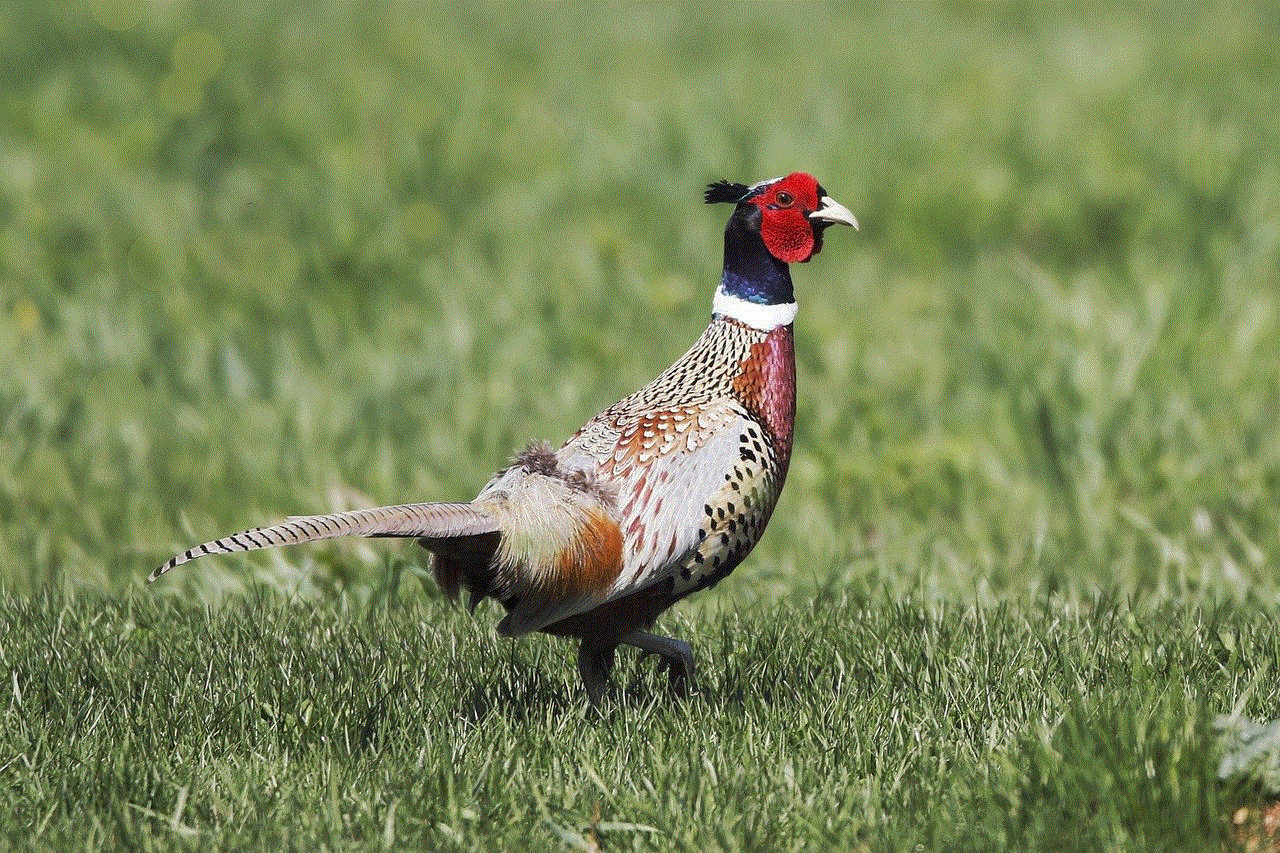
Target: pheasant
(658, 496)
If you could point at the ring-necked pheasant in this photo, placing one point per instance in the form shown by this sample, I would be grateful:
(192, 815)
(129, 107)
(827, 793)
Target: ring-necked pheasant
(660, 495)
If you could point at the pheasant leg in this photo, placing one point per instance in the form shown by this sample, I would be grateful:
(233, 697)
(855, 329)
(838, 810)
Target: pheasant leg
(677, 656)
(595, 664)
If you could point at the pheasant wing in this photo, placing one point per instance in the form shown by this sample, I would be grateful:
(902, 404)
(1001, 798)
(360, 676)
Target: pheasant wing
(666, 465)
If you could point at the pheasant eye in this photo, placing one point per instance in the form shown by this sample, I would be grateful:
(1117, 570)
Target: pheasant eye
(784, 199)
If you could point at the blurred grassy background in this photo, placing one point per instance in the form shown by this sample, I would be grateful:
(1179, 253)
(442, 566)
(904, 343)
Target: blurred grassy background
(265, 259)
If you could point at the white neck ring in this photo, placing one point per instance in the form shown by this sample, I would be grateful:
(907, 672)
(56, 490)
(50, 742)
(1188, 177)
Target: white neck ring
(755, 315)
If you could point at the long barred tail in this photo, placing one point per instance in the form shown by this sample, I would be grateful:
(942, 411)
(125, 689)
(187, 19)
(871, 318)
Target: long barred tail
(428, 520)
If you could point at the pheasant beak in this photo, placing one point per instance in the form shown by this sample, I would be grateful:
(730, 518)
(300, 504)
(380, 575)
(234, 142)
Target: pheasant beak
(833, 211)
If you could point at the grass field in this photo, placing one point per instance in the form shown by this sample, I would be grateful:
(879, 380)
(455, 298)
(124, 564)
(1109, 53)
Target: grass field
(262, 727)
(259, 260)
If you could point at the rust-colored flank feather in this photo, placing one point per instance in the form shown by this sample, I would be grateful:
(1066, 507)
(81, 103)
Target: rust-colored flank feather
(588, 567)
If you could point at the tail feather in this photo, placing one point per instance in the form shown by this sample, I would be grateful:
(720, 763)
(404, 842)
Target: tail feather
(426, 520)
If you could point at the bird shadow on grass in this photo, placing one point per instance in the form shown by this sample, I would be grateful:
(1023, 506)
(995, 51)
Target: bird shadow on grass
(534, 697)
(527, 692)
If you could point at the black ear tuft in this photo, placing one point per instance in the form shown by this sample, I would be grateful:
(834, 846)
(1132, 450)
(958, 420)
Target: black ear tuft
(725, 191)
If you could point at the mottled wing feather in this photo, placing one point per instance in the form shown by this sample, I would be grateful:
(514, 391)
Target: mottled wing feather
(663, 464)
(667, 494)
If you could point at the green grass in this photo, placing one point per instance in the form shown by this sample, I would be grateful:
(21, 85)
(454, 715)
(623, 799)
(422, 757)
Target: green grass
(261, 260)
(840, 727)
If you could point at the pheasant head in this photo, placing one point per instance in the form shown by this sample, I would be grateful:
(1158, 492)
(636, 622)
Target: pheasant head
(776, 223)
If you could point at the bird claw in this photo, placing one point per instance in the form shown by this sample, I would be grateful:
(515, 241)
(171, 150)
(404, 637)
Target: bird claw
(675, 667)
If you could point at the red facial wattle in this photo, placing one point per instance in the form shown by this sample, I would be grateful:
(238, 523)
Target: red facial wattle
(788, 238)
(785, 206)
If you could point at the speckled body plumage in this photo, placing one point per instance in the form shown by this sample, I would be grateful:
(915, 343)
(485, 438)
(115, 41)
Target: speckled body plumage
(660, 495)
(699, 457)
